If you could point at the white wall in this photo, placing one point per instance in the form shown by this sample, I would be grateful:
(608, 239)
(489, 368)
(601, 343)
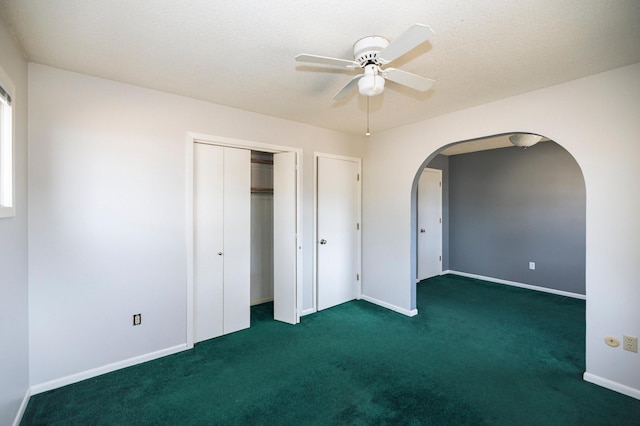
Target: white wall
(107, 178)
(14, 368)
(596, 120)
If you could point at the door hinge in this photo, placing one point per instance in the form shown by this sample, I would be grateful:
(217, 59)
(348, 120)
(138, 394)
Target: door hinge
(440, 220)
(357, 277)
(358, 177)
(440, 184)
(440, 258)
(357, 226)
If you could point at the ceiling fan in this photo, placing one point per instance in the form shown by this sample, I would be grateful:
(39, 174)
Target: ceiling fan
(371, 54)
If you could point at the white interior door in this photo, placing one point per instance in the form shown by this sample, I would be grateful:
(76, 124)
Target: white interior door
(208, 221)
(237, 239)
(429, 224)
(284, 238)
(337, 231)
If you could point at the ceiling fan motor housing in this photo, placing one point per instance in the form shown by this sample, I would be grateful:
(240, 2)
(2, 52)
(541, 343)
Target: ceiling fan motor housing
(365, 50)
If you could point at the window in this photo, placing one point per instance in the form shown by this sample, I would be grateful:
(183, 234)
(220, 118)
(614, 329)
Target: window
(7, 205)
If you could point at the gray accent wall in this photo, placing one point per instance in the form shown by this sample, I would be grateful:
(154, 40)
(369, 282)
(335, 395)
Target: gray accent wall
(512, 206)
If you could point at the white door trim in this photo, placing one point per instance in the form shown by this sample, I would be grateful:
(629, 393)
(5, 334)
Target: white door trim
(316, 155)
(190, 140)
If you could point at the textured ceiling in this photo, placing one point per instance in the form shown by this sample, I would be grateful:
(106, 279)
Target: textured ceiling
(241, 53)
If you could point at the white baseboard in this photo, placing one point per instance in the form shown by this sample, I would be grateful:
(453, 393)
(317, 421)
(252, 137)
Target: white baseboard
(23, 407)
(261, 301)
(308, 312)
(517, 284)
(609, 384)
(403, 311)
(83, 375)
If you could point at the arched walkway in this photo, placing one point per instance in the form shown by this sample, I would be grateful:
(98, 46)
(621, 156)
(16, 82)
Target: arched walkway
(508, 210)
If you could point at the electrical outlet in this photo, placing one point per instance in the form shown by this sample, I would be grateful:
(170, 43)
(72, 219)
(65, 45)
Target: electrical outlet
(532, 266)
(137, 319)
(630, 343)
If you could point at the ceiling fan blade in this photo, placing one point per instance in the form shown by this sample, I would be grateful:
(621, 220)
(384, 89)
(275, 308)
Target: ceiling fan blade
(325, 60)
(408, 79)
(411, 38)
(348, 89)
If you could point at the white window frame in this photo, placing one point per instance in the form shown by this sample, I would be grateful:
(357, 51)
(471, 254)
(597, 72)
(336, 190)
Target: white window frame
(7, 169)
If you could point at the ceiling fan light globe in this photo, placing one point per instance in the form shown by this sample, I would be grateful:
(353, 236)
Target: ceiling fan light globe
(371, 85)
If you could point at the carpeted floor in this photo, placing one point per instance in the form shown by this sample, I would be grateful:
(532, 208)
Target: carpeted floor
(477, 354)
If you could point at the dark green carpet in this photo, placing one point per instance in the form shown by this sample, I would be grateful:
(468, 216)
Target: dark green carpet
(477, 354)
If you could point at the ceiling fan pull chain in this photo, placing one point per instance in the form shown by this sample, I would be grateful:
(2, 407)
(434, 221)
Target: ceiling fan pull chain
(368, 133)
(375, 80)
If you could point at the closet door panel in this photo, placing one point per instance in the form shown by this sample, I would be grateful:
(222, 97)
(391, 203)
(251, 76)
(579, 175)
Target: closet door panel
(237, 239)
(208, 242)
(284, 238)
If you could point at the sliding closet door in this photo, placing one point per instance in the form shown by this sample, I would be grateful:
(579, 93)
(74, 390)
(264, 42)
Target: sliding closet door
(208, 243)
(237, 239)
(284, 238)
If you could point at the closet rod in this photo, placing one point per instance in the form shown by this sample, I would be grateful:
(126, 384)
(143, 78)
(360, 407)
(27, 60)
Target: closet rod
(262, 190)
(259, 161)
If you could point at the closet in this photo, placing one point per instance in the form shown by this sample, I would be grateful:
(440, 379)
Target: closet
(244, 207)
(261, 227)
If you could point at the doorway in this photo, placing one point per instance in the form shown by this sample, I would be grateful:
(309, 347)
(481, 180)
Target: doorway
(261, 227)
(273, 233)
(512, 215)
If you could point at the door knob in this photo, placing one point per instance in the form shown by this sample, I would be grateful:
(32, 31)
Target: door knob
(219, 253)
(323, 241)
(422, 231)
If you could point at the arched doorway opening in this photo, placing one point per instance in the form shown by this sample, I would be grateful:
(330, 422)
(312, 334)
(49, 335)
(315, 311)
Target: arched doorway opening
(511, 215)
